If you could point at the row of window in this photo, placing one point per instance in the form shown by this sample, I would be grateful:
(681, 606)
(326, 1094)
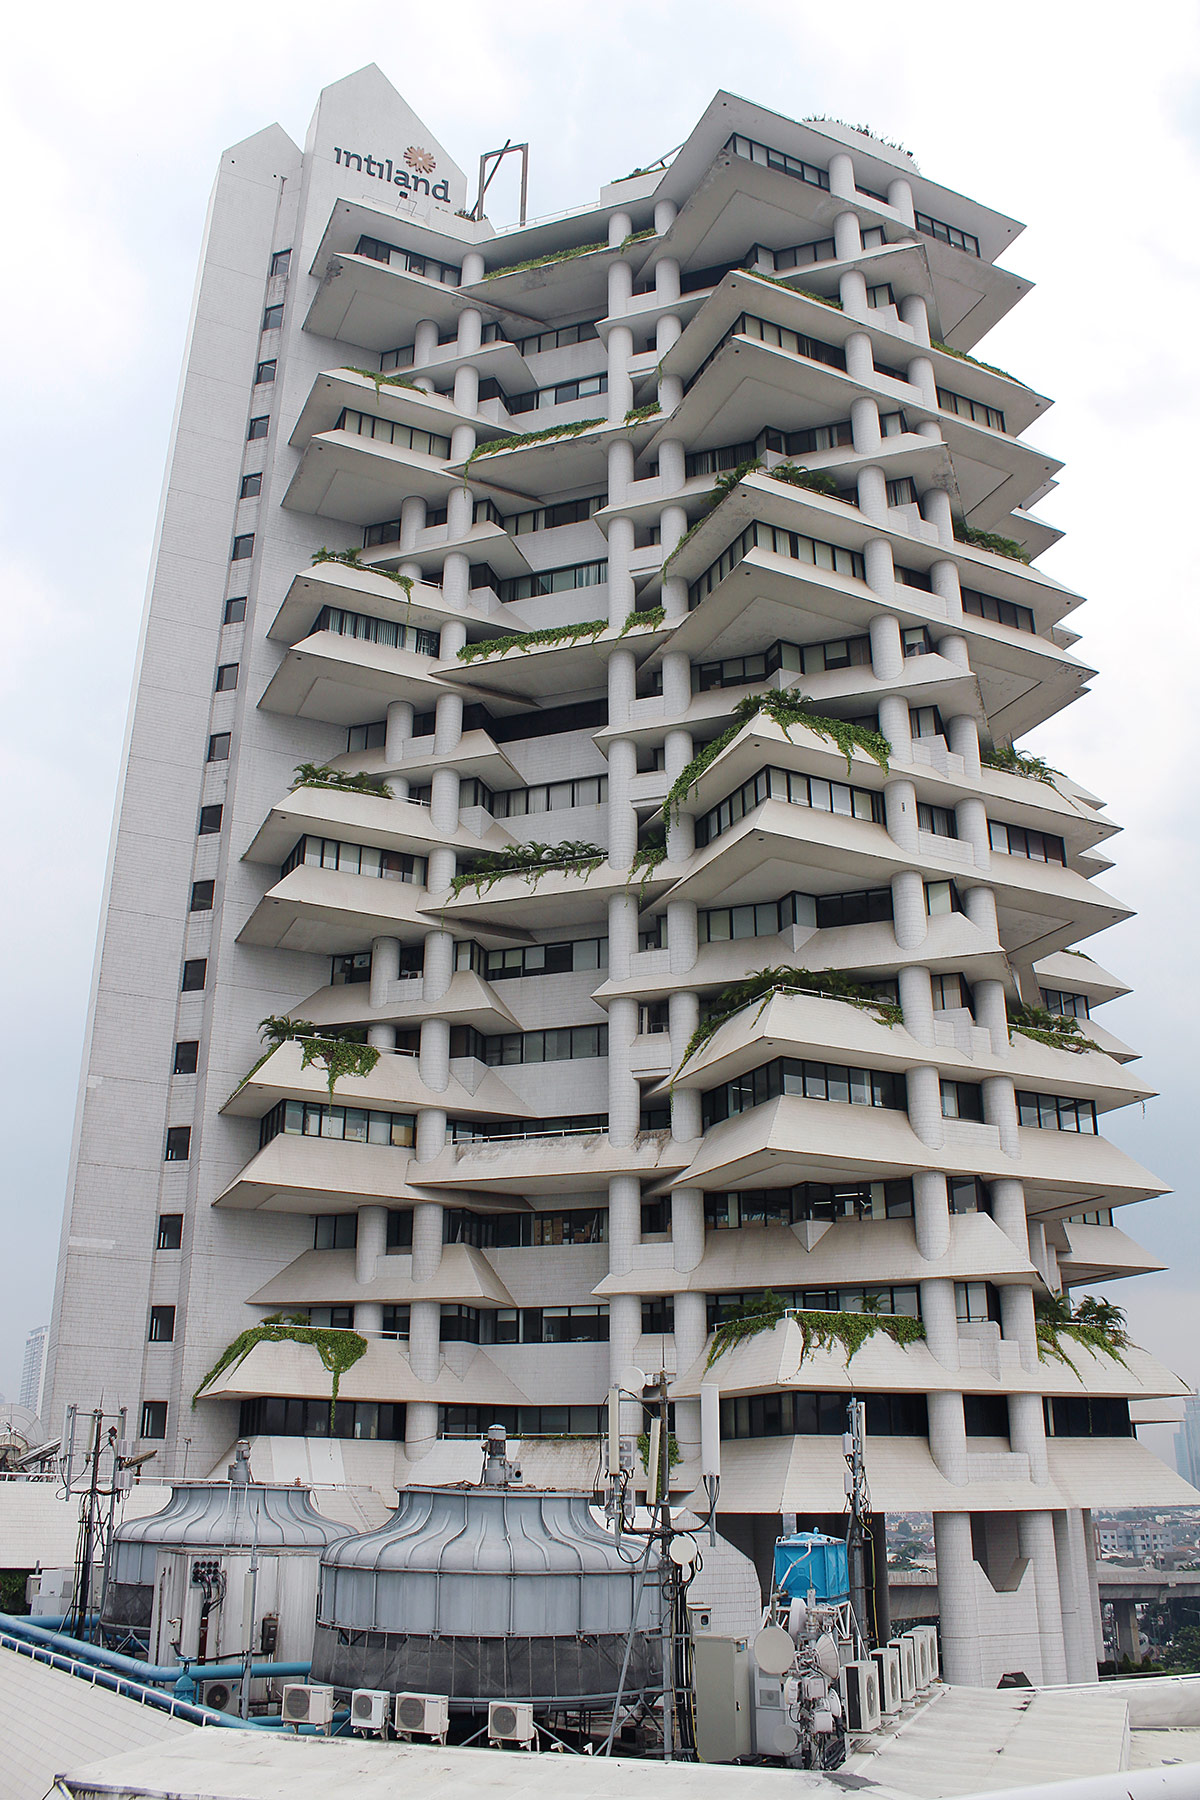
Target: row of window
(521, 1231)
(1001, 612)
(356, 859)
(559, 393)
(407, 260)
(803, 659)
(525, 1325)
(353, 1124)
(561, 1044)
(533, 959)
(1037, 846)
(534, 345)
(378, 631)
(974, 410)
(789, 1075)
(720, 924)
(798, 790)
(792, 544)
(544, 796)
(809, 1200)
(391, 431)
(564, 580)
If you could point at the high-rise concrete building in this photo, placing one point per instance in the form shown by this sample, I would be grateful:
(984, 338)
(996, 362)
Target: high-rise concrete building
(549, 629)
(1187, 1442)
(33, 1369)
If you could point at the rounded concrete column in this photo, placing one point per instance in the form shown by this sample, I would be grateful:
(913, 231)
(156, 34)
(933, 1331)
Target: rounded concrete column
(624, 1224)
(940, 1318)
(971, 818)
(396, 738)
(472, 267)
(847, 236)
(665, 213)
(900, 811)
(1081, 1661)
(672, 473)
(1018, 1323)
(370, 1248)
(381, 1037)
(624, 1330)
(667, 332)
(413, 509)
(1027, 1426)
(620, 386)
(963, 736)
(620, 581)
(674, 598)
(935, 507)
(666, 280)
(620, 289)
(466, 390)
(925, 1106)
(682, 935)
(622, 686)
(961, 1659)
(434, 1068)
(456, 570)
(1000, 1110)
(677, 687)
(687, 1228)
(896, 726)
(1008, 1212)
(470, 336)
(872, 495)
(684, 1013)
(841, 176)
(1035, 1538)
(385, 968)
(438, 964)
(944, 580)
(444, 789)
(624, 1095)
(931, 1216)
(954, 649)
(622, 935)
(921, 376)
(979, 904)
(425, 341)
(852, 291)
(900, 198)
(991, 1014)
(860, 359)
(915, 313)
(622, 817)
(910, 923)
(620, 227)
(887, 647)
(916, 1002)
(442, 867)
(864, 425)
(620, 471)
(948, 1436)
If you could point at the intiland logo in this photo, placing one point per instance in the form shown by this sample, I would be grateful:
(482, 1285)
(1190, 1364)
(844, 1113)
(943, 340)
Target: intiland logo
(413, 179)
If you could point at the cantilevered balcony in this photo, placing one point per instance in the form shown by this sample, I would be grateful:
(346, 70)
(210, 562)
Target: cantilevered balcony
(342, 813)
(394, 1085)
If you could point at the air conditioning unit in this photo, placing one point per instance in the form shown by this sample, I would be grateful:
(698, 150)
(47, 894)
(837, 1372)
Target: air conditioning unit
(920, 1648)
(421, 1715)
(305, 1705)
(218, 1695)
(860, 1685)
(887, 1659)
(369, 1709)
(903, 1646)
(511, 1722)
(929, 1633)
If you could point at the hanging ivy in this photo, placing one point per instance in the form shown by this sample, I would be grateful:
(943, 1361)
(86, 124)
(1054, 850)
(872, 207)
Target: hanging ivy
(529, 640)
(650, 616)
(636, 414)
(380, 379)
(818, 1330)
(322, 776)
(1058, 1030)
(816, 481)
(351, 558)
(339, 1054)
(575, 856)
(339, 1350)
(764, 984)
(786, 708)
(646, 858)
(530, 437)
(1016, 762)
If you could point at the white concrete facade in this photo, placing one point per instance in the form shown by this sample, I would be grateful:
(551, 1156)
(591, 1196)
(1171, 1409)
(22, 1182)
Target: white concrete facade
(537, 1184)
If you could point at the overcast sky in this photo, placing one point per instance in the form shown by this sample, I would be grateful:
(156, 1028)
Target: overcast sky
(1081, 120)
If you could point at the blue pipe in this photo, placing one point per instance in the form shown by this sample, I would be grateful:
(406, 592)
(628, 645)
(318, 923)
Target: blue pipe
(182, 1676)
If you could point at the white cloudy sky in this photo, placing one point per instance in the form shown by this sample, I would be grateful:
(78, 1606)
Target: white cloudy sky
(1081, 119)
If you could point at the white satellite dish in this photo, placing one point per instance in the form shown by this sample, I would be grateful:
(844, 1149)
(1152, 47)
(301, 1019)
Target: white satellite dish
(682, 1550)
(826, 1652)
(774, 1651)
(634, 1380)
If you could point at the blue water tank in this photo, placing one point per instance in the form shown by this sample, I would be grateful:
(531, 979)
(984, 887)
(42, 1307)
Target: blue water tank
(809, 1559)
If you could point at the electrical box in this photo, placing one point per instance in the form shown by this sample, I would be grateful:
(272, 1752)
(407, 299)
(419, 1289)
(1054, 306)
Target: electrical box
(722, 1670)
(887, 1658)
(421, 1715)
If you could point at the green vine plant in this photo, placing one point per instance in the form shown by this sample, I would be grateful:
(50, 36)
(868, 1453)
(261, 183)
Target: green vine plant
(321, 775)
(338, 1054)
(339, 1350)
(936, 344)
(762, 986)
(674, 1453)
(574, 856)
(637, 414)
(1058, 1030)
(1095, 1324)
(804, 293)
(991, 541)
(817, 481)
(786, 708)
(1016, 762)
(530, 437)
(650, 616)
(818, 1330)
(380, 379)
(646, 858)
(556, 256)
(529, 640)
(351, 558)
(862, 130)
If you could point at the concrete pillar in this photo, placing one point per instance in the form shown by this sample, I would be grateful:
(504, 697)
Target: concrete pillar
(979, 904)
(948, 1436)
(916, 1002)
(860, 360)
(624, 1330)
(847, 236)
(900, 198)
(935, 507)
(624, 1095)
(1018, 1323)
(896, 726)
(438, 960)
(872, 494)
(920, 375)
(1128, 1630)
(900, 812)
(943, 577)
(369, 1251)
(852, 291)
(963, 737)
(887, 648)
(1027, 1426)
(1089, 1541)
(666, 280)
(931, 1214)
(687, 1228)
(665, 212)
(466, 388)
(940, 1319)
(620, 289)
(622, 686)
(624, 1222)
(622, 935)
(396, 739)
(954, 649)
(620, 386)
(910, 923)
(385, 968)
(1035, 1537)
(991, 1013)
(1000, 1110)
(864, 424)
(472, 267)
(915, 313)
(470, 335)
(620, 581)
(1077, 1624)
(925, 1106)
(622, 818)
(413, 509)
(841, 176)
(961, 1659)
(682, 935)
(620, 471)
(971, 818)
(425, 341)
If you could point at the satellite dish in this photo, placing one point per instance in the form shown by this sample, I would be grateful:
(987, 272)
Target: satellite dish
(682, 1550)
(786, 1739)
(634, 1380)
(774, 1651)
(826, 1652)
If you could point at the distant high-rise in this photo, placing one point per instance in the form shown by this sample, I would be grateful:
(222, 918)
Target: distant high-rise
(580, 678)
(33, 1369)
(1187, 1442)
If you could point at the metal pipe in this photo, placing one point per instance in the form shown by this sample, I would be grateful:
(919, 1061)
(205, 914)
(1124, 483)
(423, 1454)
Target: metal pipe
(156, 1674)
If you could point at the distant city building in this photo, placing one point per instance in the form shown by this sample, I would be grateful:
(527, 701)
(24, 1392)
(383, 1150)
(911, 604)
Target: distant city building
(33, 1371)
(1139, 1538)
(1187, 1442)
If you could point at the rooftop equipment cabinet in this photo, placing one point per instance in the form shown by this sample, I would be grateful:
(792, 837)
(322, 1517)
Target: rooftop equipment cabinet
(809, 1561)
